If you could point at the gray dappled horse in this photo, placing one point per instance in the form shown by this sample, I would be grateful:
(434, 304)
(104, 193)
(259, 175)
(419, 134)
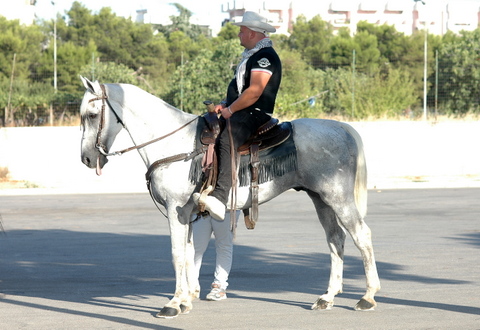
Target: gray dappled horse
(330, 168)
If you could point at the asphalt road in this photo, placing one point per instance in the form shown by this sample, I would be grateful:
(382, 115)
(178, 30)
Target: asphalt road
(103, 261)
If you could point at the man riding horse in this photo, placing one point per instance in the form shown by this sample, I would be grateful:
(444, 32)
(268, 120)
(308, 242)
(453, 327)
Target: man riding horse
(249, 103)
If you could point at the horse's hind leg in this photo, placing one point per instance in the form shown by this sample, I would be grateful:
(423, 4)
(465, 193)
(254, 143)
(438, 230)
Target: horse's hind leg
(362, 237)
(347, 213)
(336, 242)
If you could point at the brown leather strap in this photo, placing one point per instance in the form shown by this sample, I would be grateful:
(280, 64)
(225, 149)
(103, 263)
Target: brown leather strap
(171, 159)
(155, 140)
(233, 160)
(249, 224)
(254, 161)
(162, 161)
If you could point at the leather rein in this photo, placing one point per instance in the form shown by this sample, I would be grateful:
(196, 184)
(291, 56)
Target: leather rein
(102, 148)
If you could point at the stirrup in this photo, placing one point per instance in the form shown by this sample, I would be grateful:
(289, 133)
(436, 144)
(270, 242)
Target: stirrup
(203, 196)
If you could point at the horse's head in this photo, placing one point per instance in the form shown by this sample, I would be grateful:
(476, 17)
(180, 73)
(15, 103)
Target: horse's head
(100, 125)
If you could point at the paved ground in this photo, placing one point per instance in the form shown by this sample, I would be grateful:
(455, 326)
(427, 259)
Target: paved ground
(103, 261)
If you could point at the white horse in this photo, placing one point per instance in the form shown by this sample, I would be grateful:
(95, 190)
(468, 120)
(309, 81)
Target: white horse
(331, 169)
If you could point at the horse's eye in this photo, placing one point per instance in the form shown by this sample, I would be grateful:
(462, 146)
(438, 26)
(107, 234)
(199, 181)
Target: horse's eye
(92, 116)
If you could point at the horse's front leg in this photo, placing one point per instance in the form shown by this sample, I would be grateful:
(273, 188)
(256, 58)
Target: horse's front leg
(183, 264)
(192, 276)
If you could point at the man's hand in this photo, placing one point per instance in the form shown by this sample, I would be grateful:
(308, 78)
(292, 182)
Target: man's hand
(223, 110)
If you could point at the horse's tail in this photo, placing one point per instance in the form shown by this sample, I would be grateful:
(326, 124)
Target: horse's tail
(361, 173)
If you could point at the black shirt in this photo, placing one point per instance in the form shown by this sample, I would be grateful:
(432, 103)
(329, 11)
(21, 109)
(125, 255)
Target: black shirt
(267, 60)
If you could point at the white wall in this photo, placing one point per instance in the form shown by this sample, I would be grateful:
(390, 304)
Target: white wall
(50, 158)
(399, 154)
(442, 155)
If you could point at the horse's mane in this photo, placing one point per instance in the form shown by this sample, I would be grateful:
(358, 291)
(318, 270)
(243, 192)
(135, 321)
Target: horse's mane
(127, 94)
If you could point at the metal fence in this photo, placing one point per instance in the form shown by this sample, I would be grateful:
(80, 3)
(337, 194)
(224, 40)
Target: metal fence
(444, 93)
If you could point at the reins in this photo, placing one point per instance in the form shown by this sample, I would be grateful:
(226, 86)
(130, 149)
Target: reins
(121, 152)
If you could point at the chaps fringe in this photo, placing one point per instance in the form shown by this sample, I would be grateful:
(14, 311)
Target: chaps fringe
(269, 168)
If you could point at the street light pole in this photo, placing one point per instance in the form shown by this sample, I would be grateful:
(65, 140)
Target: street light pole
(425, 75)
(54, 49)
(424, 66)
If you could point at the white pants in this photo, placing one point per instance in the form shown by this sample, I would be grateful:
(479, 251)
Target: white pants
(202, 232)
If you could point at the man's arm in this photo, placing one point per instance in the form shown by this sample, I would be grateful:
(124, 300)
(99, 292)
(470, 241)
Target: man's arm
(258, 82)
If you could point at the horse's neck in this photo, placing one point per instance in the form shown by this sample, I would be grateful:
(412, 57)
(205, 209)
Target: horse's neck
(147, 117)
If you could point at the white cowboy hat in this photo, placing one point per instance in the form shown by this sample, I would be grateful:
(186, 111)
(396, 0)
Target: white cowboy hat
(255, 22)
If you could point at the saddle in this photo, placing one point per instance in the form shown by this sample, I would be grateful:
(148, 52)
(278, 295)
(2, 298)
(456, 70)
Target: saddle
(269, 135)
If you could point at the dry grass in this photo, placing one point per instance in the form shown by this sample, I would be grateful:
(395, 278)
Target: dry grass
(7, 183)
(432, 119)
(4, 173)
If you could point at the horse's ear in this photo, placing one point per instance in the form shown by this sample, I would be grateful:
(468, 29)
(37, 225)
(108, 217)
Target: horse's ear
(93, 87)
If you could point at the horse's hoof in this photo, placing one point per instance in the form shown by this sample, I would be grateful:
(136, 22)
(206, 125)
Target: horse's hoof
(184, 309)
(365, 305)
(168, 313)
(322, 304)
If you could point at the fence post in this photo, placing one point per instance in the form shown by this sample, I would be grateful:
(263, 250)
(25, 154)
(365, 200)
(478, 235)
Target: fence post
(353, 84)
(436, 84)
(8, 108)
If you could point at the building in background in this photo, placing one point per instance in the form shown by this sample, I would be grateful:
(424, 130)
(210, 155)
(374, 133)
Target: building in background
(408, 16)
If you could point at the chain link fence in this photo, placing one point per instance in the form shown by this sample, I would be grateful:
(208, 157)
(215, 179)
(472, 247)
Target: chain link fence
(343, 91)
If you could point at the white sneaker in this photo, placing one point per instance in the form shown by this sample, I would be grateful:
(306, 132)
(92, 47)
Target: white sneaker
(216, 293)
(212, 205)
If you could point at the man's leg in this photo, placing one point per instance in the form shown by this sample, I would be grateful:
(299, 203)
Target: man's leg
(202, 232)
(224, 248)
(224, 256)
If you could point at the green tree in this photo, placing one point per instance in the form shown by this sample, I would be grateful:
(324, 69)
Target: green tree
(155, 65)
(179, 44)
(20, 52)
(363, 96)
(81, 28)
(181, 62)
(116, 39)
(406, 52)
(228, 32)
(341, 49)
(25, 42)
(459, 74)
(280, 41)
(70, 58)
(391, 43)
(25, 103)
(368, 55)
(109, 72)
(301, 88)
(312, 39)
(204, 78)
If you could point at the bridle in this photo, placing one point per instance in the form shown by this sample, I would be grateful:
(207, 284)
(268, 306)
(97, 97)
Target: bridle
(101, 147)
(98, 144)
